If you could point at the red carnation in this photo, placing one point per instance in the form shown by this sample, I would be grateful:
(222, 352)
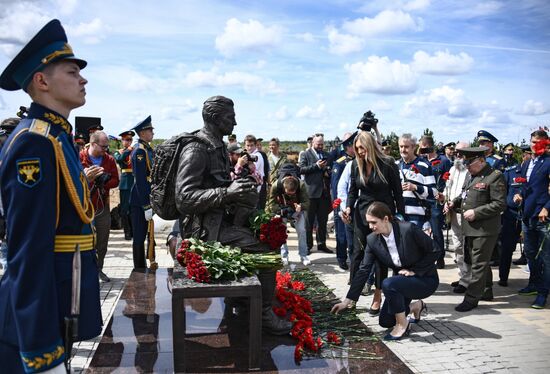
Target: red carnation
(540, 146)
(415, 169)
(436, 162)
(336, 203)
(520, 180)
(445, 176)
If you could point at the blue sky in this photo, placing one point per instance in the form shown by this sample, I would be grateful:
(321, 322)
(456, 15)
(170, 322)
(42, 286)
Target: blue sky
(296, 67)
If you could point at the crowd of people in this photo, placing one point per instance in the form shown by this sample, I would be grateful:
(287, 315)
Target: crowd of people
(387, 213)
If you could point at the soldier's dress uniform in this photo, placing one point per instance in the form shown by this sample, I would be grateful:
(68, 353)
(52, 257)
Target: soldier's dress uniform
(485, 193)
(495, 161)
(123, 158)
(48, 211)
(142, 164)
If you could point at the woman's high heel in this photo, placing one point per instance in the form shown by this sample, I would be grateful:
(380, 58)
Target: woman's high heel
(423, 309)
(390, 337)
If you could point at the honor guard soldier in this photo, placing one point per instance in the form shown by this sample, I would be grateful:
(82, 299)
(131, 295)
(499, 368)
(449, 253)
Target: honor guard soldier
(508, 156)
(343, 243)
(140, 206)
(123, 158)
(48, 214)
(482, 201)
(487, 140)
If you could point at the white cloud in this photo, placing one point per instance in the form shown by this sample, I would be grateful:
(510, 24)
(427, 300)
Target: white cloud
(442, 63)
(343, 126)
(19, 22)
(177, 112)
(378, 5)
(341, 44)
(384, 23)
(444, 100)
(280, 115)
(65, 6)
(306, 37)
(127, 79)
(533, 108)
(380, 105)
(260, 64)
(249, 82)
(493, 116)
(312, 113)
(251, 36)
(416, 4)
(91, 32)
(480, 9)
(382, 76)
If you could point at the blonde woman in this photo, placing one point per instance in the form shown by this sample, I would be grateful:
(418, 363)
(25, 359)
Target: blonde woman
(374, 177)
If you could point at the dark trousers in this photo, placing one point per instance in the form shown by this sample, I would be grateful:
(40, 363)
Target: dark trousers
(509, 237)
(479, 250)
(534, 233)
(436, 221)
(360, 233)
(318, 208)
(139, 225)
(102, 222)
(341, 237)
(399, 291)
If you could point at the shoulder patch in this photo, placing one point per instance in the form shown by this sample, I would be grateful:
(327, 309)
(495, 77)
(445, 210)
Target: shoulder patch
(422, 163)
(139, 157)
(341, 159)
(28, 172)
(40, 127)
(498, 157)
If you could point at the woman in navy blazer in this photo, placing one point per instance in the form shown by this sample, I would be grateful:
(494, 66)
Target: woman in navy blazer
(405, 248)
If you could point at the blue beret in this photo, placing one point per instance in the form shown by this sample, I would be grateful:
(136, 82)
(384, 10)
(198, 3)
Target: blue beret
(486, 135)
(143, 125)
(48, 46)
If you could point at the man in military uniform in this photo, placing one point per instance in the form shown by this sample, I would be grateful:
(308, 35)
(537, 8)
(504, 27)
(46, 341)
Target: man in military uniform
(48, 211)
(140, 206)
(205, 194)
(508, 155)
(450, 151)
(483, 199)
(338, 167)
(487, 140)
(123, 158)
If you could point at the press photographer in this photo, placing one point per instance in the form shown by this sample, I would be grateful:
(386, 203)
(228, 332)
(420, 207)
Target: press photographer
(242, 164)
(369, 123)
(101, 171)
(288, 198)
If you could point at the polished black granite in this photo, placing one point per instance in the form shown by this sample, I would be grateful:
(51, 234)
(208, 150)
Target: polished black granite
(138, 338)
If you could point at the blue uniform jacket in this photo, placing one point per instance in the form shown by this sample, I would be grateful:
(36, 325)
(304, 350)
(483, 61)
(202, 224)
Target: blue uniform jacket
(512, 188)
(496, 162)
(35, 292)
(142, 163)
(535, 192)
(123, 158)
(337, 169)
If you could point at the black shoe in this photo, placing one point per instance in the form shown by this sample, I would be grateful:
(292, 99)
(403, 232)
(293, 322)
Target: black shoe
(308, 251)
(343, 264)
(465, 306)
(520, 261)
(455, 283)
(459, 289)
(127, 237)
(390, 337)
(487, 296)
(494, 263)
(374, 312)
(323, 248)
(104, 277)
(503, 283)
(441, 263)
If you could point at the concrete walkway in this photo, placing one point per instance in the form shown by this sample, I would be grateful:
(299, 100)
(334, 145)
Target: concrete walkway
(505, 335)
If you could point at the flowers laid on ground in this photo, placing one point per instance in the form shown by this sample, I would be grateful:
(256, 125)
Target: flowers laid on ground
(269, 229)
(306, 302)
(208, 261)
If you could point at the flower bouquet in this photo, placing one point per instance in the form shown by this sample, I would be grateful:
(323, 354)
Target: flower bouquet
(269, 229)
(207, 261)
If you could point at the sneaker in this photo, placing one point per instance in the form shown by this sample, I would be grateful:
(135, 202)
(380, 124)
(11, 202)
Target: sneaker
(539, 303)
(305, 260)
(104, 277)
(528, 291)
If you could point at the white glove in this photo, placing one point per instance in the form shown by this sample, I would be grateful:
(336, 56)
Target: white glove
(148, 214)
(59, 369)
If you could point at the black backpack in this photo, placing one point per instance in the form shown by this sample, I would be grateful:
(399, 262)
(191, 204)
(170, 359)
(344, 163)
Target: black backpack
(286, 169)
(163, 175)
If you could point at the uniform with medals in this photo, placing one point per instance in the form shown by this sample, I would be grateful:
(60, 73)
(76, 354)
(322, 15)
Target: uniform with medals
(48, 212)
(142, 164)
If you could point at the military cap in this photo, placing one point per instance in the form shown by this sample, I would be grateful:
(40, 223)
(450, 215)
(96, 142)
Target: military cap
(127, 134)
(509, 145)
(49, 45)
(80, 139)
(232, 137)
(234, 148)
(472, 152)
(486, 135)
(9, 124)
(349, 140)
(144, 125)
(309, 139)
(526, 148)
(450, 145)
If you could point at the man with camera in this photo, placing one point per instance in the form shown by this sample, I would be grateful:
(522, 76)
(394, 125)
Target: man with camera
(243, 164)
(100, 169)
(288, 198)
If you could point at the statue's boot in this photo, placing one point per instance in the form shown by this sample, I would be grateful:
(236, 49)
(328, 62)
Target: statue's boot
(271, 323)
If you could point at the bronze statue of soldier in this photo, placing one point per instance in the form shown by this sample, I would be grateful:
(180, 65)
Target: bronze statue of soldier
(209, 202)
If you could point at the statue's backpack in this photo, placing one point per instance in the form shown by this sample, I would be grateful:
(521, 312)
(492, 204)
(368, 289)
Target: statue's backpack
(163, 175)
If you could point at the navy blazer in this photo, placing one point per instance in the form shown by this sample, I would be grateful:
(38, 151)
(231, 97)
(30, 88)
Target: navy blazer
(417, 252)
(535, 192)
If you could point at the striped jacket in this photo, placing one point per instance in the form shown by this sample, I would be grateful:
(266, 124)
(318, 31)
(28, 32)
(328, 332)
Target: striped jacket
(420, 173)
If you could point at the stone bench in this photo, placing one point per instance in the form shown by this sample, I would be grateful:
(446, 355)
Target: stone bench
(185, 288)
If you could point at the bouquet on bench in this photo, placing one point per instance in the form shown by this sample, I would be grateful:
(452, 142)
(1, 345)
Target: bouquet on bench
(212, 261)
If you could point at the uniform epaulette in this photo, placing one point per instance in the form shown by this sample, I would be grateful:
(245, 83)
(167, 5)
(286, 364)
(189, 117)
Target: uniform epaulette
(497, 172)
(498, 157)
(40, 127)
(341, 159)
(510, 167)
